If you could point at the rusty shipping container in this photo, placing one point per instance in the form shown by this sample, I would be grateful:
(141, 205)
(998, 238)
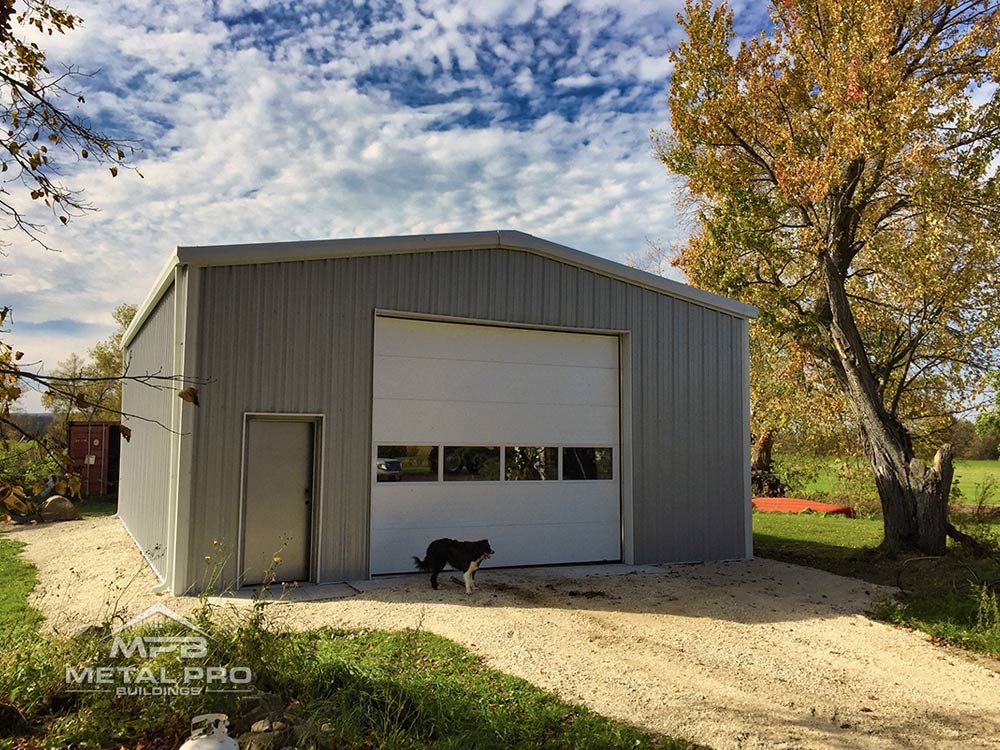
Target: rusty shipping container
(94, 450)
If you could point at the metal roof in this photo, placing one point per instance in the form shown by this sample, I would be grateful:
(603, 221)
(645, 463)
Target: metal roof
(281, 252)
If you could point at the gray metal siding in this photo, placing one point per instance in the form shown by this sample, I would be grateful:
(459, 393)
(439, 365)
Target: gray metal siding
(297, 337)
(145, 461)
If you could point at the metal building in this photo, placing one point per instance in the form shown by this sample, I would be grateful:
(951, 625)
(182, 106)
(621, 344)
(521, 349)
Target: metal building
(366, 396)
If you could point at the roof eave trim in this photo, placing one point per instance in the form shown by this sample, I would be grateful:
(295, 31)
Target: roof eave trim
(163, 282)
(519, 240)
(283, 252)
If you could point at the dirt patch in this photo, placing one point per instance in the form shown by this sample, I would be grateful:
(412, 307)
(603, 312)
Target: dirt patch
(741, 656)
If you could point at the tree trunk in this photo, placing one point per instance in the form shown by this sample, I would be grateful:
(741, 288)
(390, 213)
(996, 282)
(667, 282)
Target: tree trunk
(914, 498)
(763, 481)
(761, 458)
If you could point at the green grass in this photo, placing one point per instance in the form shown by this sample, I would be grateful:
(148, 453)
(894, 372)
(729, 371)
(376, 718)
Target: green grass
(817, 528)
(98, 505)
(17, 579)
(832, 478)
(450, 699)
(372, 689)
(811, 476)
(951, 598)
(835, 543)
(973, 477)
(964, 616)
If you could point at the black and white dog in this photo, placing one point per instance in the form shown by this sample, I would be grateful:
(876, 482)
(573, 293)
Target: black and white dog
(464, 556)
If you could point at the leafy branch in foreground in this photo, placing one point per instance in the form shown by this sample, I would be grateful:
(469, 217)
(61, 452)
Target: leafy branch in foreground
(38, 126)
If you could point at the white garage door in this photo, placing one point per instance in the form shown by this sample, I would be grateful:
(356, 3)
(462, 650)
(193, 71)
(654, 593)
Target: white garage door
(506, 434)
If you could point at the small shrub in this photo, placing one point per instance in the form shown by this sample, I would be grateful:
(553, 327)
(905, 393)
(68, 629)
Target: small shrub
(981, 524)
(855, 488)
(987, 609)
(797, 472)
(845, 481)
(885, 607)
(765, 484)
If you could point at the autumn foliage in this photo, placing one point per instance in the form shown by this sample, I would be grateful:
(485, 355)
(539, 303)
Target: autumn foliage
(841, 166)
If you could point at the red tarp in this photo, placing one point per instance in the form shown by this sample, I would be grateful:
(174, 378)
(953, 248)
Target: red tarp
(797, 505)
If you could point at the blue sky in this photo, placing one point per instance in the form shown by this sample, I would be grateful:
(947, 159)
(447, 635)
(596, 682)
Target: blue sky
(266, 121)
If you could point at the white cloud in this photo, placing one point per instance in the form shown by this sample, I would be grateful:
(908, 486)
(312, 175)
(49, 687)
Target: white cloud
(579, 81)
(310, 136)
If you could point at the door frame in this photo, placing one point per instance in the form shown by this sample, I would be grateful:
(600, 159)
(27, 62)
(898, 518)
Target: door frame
(316, 508)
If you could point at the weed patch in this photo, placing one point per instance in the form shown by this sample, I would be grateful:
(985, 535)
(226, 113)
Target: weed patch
(965, 616)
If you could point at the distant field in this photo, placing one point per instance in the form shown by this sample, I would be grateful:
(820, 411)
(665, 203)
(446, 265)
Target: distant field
(829, 477)
(972, 476)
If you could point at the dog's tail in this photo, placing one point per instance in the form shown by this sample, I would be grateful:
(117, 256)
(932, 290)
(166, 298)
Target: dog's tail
(421, 564)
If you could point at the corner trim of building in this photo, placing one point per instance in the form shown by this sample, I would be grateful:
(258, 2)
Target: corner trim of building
(745, 436)
(185, 366)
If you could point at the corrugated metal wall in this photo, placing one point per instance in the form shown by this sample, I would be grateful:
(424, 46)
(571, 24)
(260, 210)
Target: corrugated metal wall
(297, 337)
(145, 459)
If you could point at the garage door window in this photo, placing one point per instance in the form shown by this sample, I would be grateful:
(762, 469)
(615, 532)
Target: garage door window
(523, 463)
(587, 463)
(479, 463)
(471, 463)
(407, 463)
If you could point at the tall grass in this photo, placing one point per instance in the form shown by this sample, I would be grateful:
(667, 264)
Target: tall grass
(17, 579)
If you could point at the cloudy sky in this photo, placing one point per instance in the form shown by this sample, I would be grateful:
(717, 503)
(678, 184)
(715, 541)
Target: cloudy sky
(264, 121)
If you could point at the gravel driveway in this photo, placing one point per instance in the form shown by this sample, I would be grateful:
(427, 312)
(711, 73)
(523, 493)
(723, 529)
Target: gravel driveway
(740, 656)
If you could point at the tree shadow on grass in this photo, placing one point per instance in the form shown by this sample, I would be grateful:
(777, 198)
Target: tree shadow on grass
(865, 563)
(909, 572)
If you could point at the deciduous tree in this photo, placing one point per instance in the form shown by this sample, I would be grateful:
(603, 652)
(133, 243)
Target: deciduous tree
(988, 422)
(91, 389)
(841, 169)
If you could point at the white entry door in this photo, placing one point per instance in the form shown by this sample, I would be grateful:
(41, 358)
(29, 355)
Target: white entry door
(500, 433)
(277, 500)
